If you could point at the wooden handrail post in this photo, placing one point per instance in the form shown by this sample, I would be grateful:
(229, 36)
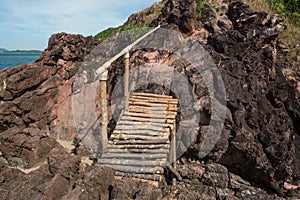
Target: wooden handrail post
(126, 81)
(103, 94)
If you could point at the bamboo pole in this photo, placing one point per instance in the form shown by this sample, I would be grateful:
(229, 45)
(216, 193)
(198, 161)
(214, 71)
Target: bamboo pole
(104, 111)
(126, 81)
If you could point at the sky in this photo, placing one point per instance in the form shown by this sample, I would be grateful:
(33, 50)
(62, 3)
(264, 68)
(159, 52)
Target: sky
(28, 24)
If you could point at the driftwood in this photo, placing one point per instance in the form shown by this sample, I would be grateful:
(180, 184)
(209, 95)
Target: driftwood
(152, 177)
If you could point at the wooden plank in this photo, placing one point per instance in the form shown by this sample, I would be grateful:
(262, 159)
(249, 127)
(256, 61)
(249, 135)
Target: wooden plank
(140, 109)
(141, 156)
(152, 95)
(130, 162)
(152, 177)
(149, 108)
(150, 115)
(154, 100)
(168, 107)
(138, 137)
(138, 170)
(141, 132)
(147, 127)
(140, 119)
(135, 123)
(132, 141)
(151, 151)
(136, 146)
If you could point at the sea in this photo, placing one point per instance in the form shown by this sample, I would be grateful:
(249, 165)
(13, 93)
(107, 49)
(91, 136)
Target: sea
(12, 59)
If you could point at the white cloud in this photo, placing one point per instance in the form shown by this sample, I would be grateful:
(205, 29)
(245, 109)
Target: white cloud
(41, 18)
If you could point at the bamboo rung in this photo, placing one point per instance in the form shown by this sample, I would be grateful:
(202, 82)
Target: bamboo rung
(154, 100)
(136, 146)
(152, 95)
(133, 123)
(167, 106)
(151, 151)
(140, 119)
(150, 115)
(150, 128)
(138, 170)
(153, 141)
(139, 109)
(145, 163)
(131, 131)
(148, 108)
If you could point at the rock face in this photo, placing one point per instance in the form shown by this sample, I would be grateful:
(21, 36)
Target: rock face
(259, 144)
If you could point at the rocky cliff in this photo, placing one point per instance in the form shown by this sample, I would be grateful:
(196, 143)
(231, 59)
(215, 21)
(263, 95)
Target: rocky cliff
(256, 157)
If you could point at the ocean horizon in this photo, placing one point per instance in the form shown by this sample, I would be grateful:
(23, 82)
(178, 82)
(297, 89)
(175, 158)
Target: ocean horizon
(13, 59)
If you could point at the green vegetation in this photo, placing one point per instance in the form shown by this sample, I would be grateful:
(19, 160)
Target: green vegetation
(287, 8)
(200, 7)
(113, 30)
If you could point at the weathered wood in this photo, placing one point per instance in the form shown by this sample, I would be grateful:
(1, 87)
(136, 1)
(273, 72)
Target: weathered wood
(104, 112)
(140, 103)
(140, 132)
(140, 119)
(150, 115)
(171, 168)
(131, 141)
(139, 109)
(138, 170)
(149, 182)
(155, 139)
(130, 162)
(152, 177)
(154, 100)
(141, 156)
(126, 80)
(152, 95)
(136, 146)
(151, 151)
(148, 108)
(133, 123)
(147, 127)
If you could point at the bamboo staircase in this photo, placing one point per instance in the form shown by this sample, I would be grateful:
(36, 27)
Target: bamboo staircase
(143, 142)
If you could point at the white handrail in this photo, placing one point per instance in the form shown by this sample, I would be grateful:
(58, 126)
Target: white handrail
(106, 65)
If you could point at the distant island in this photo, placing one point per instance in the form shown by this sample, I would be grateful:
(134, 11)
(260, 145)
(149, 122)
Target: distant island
(2, 50)
(20, 51)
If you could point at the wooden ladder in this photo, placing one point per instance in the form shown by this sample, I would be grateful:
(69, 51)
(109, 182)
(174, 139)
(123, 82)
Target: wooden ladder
(143, 142)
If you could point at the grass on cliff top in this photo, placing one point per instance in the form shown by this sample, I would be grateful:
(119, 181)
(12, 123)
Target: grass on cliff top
(148, 15)
(291, 12)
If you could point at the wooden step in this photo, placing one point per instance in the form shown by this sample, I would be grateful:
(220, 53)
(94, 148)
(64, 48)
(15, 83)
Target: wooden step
(154, 100)
(147, 110)
(150, 115)
(159, 133)
(141, 156)
(140, 119)
(132, 162)
(137, 169)
(153, 105)
(147, 127)
(151, 151)
(137, 146)
(152, 95)
(132, 141)
(138, 137)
